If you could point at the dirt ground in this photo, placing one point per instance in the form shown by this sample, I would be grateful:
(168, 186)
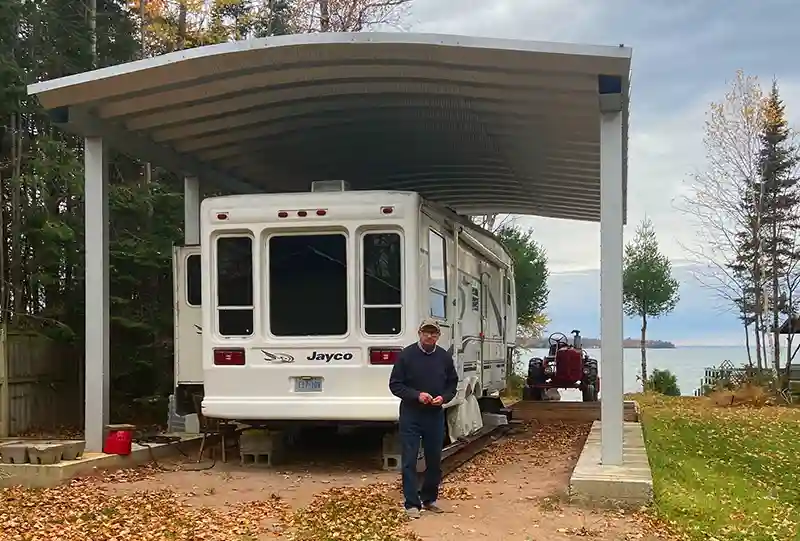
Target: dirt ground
(515, 490)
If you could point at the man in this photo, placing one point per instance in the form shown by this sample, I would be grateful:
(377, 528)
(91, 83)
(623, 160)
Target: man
(424, 378)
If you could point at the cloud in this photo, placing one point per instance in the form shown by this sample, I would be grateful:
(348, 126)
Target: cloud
(683, 55)
(699, 319)
(544, 20)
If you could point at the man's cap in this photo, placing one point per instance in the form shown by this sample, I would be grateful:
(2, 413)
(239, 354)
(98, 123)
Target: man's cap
(429, 322)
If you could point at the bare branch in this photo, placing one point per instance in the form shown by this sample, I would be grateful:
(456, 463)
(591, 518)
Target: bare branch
(349, 15)
(713, 197)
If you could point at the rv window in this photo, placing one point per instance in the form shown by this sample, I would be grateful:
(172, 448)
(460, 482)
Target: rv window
(382, 257)
(308, 285)
(507, 284)
(437, 267)
(235, 286)
(193, 281)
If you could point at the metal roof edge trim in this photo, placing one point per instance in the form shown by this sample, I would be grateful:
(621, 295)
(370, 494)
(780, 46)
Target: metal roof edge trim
(363, 38)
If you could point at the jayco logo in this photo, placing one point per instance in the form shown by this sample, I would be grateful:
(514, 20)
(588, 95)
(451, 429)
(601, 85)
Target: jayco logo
(277, 358)
(328, 357)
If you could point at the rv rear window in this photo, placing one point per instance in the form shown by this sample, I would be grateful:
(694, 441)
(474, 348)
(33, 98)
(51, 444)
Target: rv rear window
(193, 280)
(437, 265)
(235, 286)
(308, 285)
(382, 291)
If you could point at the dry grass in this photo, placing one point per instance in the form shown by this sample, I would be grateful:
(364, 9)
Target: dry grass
(746, 395)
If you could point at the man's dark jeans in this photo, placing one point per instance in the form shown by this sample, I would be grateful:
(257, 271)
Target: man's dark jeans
(428, 425)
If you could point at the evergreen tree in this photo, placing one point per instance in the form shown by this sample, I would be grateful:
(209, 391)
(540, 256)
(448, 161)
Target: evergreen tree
(530, 275)
(778, 159)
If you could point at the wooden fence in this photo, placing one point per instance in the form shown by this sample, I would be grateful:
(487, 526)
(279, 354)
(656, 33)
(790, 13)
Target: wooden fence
(44, 385)
(738, 374)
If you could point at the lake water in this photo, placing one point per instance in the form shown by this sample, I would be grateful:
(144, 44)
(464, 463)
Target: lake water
(687, 363)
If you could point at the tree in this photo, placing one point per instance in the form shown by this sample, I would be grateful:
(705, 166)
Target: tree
(530, 275)
(42, 240)
(649, 290)
(664, 382)
(723, 202)
(347, 15)
(778, 159)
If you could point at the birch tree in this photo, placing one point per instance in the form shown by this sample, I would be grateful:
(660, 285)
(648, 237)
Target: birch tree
(724, 202)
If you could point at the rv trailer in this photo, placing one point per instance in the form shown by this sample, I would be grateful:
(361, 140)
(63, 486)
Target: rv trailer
(294, 306)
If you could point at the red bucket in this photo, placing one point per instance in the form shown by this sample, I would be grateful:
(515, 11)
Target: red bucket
(118, 442)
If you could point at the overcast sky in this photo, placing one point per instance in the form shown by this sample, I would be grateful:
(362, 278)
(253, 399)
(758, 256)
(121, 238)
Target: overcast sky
(684, 54)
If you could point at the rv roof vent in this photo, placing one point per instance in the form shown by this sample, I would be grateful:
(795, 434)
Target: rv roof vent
(330, 186)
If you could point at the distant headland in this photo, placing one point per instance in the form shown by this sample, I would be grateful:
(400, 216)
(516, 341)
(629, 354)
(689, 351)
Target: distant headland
(627, 343)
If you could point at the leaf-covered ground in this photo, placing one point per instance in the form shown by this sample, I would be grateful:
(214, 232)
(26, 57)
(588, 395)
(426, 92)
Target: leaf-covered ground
(514, 490)
(724, 473)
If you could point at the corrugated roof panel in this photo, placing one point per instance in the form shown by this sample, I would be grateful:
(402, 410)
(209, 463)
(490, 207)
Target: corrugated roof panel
(480, 125)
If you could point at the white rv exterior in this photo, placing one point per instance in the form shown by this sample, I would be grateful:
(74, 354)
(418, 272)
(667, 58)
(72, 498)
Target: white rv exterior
(306, 298)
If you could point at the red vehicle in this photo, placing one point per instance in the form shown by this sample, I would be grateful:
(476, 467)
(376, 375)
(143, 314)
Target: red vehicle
(565, 367)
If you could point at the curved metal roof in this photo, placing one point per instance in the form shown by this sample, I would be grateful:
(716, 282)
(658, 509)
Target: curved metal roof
(480, 125)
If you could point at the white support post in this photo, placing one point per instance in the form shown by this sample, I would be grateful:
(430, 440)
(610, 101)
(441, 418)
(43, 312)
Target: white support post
(98, 365)
(611, 250)
(191, 210)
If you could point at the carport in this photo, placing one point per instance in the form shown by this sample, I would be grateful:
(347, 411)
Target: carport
(481, 125)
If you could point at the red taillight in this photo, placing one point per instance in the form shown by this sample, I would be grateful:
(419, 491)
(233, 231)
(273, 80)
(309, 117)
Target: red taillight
(222, 216)
(387, 210)
(383, 355)
(302, 213)
(229, 357)
(321, 212)
(283, 214)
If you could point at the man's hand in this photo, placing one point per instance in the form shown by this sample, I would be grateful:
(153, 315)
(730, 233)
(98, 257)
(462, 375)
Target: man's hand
(425, 398)
(437, 401)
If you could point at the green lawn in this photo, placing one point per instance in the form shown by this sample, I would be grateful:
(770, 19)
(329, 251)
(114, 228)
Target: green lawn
(724, 473)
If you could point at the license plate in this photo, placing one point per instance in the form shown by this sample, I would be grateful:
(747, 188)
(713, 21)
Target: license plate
(308, 385)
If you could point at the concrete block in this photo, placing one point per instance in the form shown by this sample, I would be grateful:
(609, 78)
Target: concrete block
(14, 453)
(392, 443)
(47, 475)
(256, 459)
(73, 450)
(391, 462)
(391, 451)
(45, 453)
(494, 419)
(261, 447)
(257, 440)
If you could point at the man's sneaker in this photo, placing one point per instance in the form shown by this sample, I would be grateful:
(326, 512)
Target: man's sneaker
(412, 512)
(432, 508)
